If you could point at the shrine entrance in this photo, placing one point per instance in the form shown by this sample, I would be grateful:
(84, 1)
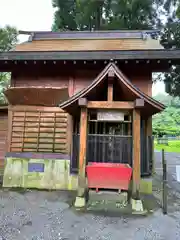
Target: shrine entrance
(109, 138)
(108, 117)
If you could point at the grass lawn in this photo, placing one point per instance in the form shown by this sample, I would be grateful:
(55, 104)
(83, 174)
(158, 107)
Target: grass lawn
(173, 146)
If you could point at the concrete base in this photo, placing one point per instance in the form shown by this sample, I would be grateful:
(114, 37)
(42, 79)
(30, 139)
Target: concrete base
(107, 201)
(80, 202)
(108, 195)
(137, 207)
(146, 185)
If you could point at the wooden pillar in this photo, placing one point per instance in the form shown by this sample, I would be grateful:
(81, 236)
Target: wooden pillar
(110, 92)
(149, 126)
(71, 87)
(69, 134)
(136, 152)
(149, 133)
(111, 76)
(82, 148)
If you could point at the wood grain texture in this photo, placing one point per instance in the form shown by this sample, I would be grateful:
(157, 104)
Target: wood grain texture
(3, 138)
(93, 44)
(149, 126)
(110, 92)
(143, 81)
(70, 133)
(136, 151)
(10, 116)
(110, 105)
(83, 138)
(36, 96)
(128, 91)
(43, 129)
(82, 150)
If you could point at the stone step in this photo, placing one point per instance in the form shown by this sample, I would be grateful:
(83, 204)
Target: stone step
(107, 195)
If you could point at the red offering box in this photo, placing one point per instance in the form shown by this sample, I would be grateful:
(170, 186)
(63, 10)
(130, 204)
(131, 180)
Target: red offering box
(108, 175)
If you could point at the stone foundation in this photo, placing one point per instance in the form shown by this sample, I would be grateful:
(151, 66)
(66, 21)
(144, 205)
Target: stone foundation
(55, 175)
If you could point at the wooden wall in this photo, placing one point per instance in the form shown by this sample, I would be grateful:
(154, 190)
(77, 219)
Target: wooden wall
(3, 137)
(38, 129)
(75, 77)
(45, 129)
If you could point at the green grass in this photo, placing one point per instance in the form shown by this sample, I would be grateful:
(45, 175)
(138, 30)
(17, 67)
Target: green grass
(173, 146)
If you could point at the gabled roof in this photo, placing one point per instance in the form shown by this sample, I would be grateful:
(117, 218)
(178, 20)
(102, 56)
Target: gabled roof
(90, 40)
(154, 105)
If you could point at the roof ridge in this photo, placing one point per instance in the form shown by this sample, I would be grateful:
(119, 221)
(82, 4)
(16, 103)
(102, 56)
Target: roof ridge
(106, 34)
(95, 31)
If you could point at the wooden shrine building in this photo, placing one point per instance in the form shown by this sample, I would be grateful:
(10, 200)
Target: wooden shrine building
(84, 97)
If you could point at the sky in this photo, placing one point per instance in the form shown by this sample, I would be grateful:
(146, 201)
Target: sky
(31, 15)
(35, 15)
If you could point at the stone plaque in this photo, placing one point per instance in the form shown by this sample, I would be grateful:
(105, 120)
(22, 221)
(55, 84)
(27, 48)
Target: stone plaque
(35, 167)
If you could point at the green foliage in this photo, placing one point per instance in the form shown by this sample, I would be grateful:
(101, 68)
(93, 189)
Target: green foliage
(167, 122)
(173, 146)
(8, 39)
(106, 14)
(170, 39)
(125, 14)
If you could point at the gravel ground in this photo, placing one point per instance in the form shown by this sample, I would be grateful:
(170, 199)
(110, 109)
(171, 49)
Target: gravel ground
(172, 160)
(37, 215)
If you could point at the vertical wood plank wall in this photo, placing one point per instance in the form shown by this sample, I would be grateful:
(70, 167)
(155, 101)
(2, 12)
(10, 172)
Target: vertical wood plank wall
(3, 137)
(37, 129)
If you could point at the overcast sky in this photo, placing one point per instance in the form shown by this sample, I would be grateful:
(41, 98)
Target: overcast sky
(35, 15)
(30, 15)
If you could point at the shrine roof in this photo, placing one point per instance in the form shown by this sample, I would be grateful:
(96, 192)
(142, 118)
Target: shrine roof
(107, 34)
(127, 91)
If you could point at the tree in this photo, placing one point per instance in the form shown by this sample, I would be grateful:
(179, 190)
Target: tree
(8, 39)
(125, 14)
(106, 14)
(170, 39)
(167, 122)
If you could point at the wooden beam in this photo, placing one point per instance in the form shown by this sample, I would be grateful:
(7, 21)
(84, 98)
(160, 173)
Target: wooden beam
(136, 152)
(139, 103)
(19, 108)
(82, 102)
(82, 152)
(110, 105)
(111, 75)
(110, 92)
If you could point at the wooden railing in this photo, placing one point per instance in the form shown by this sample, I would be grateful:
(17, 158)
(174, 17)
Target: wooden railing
(113, 149)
